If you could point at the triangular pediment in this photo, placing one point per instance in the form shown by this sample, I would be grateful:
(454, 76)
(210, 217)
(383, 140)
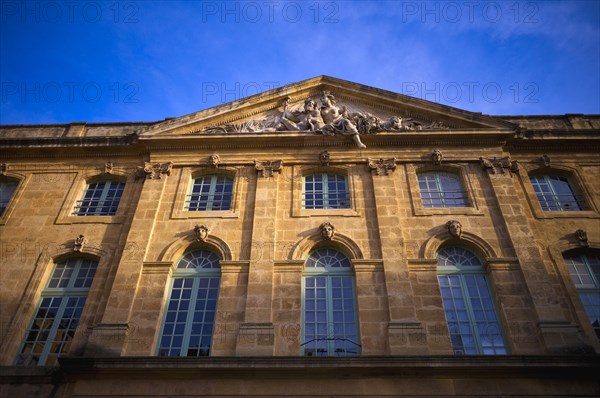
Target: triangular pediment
(368, 109)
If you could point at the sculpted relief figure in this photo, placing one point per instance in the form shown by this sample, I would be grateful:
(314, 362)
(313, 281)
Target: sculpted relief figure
(309, 119)
(337, 121)
(326, 119)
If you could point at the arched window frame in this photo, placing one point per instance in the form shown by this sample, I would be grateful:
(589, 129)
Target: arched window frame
(465, 174)
(20, 181)
(66, 292)
(188, 175)
(332, 281)
(194, 281)
(298, 174)
(453, 279)
(574, 175)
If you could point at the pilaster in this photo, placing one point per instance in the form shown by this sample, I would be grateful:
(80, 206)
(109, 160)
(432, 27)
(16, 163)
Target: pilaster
(400, 297)
(256, 334)
(109, 337)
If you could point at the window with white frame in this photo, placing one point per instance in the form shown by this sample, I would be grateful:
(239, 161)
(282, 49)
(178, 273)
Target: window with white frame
(59, 311)
(325, 191)
(557, 193)
(189, 319)
(329, 317)
(7, 190)
(584, 268)
(100, 199)
(210, 192)
(469, 306)
(441, 190)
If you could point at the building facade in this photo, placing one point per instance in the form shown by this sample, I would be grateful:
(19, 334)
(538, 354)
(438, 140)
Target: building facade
(320, 232)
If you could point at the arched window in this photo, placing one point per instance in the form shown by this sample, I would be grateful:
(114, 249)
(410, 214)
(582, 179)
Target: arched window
(325, 191)
(557, 193)
(8, 187)
(468, 304)
(189, 319)
(441, 190)
(209, 192)
(329, 318)
(59, 311)
(100, 198)
(584, 267)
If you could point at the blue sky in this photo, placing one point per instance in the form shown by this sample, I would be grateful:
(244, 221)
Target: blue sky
(111, 61)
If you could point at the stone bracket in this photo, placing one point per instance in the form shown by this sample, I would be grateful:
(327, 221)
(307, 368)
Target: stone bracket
(268, 167)
(382, 166)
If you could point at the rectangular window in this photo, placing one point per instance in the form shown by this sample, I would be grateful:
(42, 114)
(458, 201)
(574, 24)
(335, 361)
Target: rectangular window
(555, 193)
(325, 191)
(7, 189)
(100, 199)
(210, 193)
(441, 190)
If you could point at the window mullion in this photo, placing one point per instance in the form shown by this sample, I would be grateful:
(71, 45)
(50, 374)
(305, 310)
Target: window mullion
(470, 312)
(211, 193)
(591, 271)
(555, 196)
(325, 184)
(53, 329)
(330, 322)
(189, 318)
(73, 278)
(440, 191)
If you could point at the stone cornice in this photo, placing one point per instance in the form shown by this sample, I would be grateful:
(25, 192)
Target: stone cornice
(501, 366)
(68, 142)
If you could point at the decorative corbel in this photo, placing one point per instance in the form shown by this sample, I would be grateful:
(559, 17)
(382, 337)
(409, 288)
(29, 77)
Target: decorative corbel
(108, 167)
(153, 170)
(268, 167)
(166, 169)
(201, 232)
(214, 160)
(324, 158)
(327, 230)
(487, 164)
(454, 228)
(80, 242)
(499, 165)
(382, 166)
(437, 157)
(582, 239)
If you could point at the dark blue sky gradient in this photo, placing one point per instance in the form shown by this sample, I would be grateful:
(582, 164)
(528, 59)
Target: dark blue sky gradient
(109, 61)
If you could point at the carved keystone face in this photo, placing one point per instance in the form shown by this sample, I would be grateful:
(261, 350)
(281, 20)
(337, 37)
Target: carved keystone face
(214, 159)
(327, 231)
(454, 228)
(201, 232)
